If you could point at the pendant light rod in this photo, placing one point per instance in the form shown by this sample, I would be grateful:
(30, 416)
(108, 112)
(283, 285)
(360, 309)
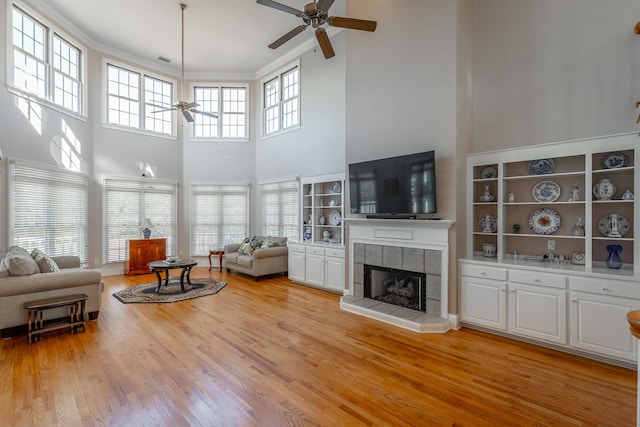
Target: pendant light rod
(182, 7)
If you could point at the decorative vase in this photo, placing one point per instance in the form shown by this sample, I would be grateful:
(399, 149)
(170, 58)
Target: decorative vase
(604, 189)
(614, 261)
(146, 233)
(489, 250)
(486, 196)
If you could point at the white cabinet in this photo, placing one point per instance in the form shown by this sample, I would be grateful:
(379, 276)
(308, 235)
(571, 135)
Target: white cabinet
(322, 209)
(538, 312)
(484, 302)
(321, 266)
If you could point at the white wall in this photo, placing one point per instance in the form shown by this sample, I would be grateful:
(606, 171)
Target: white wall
(553, 70)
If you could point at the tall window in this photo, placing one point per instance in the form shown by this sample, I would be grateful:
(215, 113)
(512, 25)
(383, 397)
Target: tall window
(281, 102)
(127, 202)
(48, 209)
(45, 63)
(139, 101)
(280, 213)
(229, 103)
(219, 215)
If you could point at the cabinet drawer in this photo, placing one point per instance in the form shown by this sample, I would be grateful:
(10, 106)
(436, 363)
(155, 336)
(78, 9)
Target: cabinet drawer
(603, 286)
(337, 253)
(483, 271)
(315, 251)
(537, 278)
(297, 248)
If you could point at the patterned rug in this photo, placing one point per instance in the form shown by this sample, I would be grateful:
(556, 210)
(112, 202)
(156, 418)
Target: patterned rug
(146, 292)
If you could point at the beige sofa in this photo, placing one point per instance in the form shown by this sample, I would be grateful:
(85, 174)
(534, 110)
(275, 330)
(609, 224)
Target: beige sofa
(32, 285)
(260, 260)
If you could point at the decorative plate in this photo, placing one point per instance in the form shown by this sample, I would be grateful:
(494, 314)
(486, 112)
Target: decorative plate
(546, 191)
(615, 160)
(334, 218)
(605, 225)
(336, 188)
(544, 221)
(489, 172)
(493, 223)
(307, 233)
(541, 166)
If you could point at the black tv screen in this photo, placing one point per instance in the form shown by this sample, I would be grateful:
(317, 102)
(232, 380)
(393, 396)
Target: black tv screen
(402, 185)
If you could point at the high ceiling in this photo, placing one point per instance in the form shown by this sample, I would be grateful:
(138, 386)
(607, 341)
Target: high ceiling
(221, 36)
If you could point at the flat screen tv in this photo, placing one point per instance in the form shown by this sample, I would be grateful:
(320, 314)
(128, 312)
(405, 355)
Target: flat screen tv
(400, 187)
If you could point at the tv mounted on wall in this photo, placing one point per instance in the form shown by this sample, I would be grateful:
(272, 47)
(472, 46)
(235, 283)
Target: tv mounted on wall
(395, 187)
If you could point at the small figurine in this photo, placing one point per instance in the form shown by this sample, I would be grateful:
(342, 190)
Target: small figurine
(516, 228)
(486, 197)
(628, 195)
(512, 197)
(578, 229)
(575, 195)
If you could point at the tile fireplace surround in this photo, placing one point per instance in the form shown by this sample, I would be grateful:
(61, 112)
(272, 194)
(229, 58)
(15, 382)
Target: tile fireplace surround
(414, 245)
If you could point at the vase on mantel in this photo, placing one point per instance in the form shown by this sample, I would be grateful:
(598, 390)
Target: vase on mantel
(604, 189)
(613, 260)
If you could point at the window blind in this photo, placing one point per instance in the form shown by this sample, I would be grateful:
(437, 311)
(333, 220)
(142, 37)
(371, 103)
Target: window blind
(48, 209)
(219, 215)
(280, 212)
(127, 202)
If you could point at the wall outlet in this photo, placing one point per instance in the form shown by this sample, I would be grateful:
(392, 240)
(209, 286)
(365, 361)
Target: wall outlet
(551, 245)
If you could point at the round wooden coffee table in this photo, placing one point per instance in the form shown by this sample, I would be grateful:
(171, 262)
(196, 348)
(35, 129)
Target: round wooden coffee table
(184, 264)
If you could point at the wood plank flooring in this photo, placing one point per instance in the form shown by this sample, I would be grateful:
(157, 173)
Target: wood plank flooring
(272, 353)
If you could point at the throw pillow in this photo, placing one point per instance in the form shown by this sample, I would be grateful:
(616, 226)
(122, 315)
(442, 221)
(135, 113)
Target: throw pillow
(269, 243)
(246, 249)
(21, 265)
(44, 261)
(4, 271)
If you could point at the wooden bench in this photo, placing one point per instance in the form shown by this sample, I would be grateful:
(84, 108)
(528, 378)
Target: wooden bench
(35, 310)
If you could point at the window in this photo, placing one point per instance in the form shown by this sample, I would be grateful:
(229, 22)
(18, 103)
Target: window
(219, 215)
(280, 208)
(281, 102)
(139, 101)
(127, 202)
(48, 209)
(45, 63)
(229, 103)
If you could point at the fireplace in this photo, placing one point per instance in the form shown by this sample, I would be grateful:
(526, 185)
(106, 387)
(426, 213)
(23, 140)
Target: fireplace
(403, 288)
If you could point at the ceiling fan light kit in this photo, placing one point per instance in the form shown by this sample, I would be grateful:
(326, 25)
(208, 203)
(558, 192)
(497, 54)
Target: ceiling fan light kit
(315, 15)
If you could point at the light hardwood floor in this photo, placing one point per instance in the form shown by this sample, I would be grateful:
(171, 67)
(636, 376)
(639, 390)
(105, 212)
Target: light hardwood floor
(272, 353)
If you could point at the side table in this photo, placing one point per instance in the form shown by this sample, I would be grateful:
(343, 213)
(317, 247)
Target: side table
(216, 251)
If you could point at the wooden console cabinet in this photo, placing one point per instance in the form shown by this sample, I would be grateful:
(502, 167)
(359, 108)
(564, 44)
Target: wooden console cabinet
(142, 252)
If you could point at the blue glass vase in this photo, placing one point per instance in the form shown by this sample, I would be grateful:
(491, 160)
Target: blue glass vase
(613, 260)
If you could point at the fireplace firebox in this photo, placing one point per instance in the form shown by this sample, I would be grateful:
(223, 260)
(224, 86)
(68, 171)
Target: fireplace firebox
(403, 288)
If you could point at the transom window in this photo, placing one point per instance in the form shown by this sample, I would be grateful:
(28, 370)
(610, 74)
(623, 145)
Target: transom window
(45, 63)
(281, 102)
(139, 101)
(229, 103)
(280, 215)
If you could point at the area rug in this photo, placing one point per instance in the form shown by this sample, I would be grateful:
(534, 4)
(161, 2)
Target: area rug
(146, 292)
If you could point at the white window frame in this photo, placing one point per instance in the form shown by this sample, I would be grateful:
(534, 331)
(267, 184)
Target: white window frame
(51, 30)
(48, 209)
(222, 115)
(280, 188)
(131, 230)
(281, 103)
(142, 101)
(204, 225)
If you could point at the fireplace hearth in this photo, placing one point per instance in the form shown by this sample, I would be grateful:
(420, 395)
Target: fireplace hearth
(394, 286)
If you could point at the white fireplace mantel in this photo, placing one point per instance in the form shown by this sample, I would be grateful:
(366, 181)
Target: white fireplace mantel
(407, 233)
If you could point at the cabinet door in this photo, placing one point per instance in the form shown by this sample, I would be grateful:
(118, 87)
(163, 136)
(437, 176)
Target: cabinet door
(484, 302)
(296, 266)
(599, 324)
(315, 269)
(334, 273)
(538, 312)
(157, 250)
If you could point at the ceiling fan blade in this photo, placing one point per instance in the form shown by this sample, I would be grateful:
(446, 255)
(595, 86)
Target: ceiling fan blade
(166, 109)
(351, 23)
(205, 113)
(324, 5)
(187, 116)
(291, 34)
(325, 44)
(281, 7)
(190, 105)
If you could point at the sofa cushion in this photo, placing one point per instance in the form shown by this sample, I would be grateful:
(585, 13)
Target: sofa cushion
(44, 261)
(20, 263)
(245, 260)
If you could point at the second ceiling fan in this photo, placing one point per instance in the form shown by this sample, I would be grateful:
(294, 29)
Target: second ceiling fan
(315, 15)
(187, 108)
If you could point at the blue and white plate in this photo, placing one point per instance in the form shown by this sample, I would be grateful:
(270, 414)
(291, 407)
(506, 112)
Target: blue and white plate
(615, 160)
(546, 191)
(307, 233)
(541, 166)
(605, 225)
(544, 221)
(489, 172)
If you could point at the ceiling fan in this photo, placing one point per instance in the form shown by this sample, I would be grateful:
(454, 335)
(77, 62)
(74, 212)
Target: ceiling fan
(187, 108)
(315, 15)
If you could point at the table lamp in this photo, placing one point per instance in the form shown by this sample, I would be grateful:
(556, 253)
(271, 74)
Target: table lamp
(146, 226)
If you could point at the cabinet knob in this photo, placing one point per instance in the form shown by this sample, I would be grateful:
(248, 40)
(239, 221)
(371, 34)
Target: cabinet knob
(574, 300)
(604, 288)
(535, 279)
(482, 273)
